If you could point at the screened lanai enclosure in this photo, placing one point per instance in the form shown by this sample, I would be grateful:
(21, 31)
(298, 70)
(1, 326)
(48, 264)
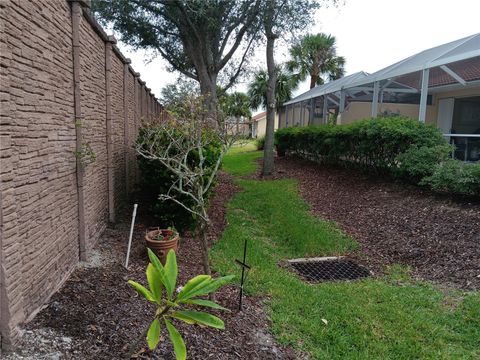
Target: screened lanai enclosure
(440, 85)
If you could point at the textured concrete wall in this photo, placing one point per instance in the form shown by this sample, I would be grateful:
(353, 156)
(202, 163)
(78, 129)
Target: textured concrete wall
(93, 100)
(40, 217)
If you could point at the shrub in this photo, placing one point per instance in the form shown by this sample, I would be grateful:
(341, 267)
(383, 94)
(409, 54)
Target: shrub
(371, 144)
(260, 143)
(156, 179)
(420, 161)
(455, 176)
(401, 147)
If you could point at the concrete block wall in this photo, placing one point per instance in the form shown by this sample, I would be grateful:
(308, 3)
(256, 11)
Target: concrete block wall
(64, 85)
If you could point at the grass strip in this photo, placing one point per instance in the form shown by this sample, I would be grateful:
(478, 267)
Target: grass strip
(392, 317)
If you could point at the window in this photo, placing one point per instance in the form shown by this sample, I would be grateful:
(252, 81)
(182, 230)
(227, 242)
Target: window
(466, 120)
(466, 115)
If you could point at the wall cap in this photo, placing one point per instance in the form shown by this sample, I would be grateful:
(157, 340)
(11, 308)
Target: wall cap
(84, 3)
(111, 39)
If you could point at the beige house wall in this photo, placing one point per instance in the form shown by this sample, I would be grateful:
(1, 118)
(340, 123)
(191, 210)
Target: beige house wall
(297, 116)
(43, 117)
(362, 110)
(262, 125)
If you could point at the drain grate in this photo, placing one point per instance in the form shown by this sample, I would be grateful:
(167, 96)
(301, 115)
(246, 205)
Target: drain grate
(328, 269)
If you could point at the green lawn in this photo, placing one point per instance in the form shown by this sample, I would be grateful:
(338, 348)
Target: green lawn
(389, 318)
(240, 160)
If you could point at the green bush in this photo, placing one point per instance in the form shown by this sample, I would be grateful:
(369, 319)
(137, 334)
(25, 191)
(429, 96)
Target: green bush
(260, 143)
(420, 161)
(403, 148)
(455, 176)
(156, 179)
(372, 144)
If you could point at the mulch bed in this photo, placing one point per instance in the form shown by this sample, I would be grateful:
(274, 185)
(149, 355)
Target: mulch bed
(100, 316)
(96, 315)
(437, 236)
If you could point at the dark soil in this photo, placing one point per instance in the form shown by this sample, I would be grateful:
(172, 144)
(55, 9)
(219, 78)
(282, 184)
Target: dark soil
(103, 316)
(437, 236)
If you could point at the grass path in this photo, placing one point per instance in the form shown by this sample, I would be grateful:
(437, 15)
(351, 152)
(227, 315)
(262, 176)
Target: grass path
(389, 318)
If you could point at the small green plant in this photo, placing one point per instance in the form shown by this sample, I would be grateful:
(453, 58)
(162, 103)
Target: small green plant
(78, 123)
(171, 305)
(85, 154)
(260, 143)
(167, 234)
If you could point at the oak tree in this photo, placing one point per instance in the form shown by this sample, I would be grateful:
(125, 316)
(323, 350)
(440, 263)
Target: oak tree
(197, 38)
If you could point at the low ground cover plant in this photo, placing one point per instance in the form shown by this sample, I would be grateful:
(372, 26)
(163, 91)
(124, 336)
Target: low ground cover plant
(162, 282)
(403, 148)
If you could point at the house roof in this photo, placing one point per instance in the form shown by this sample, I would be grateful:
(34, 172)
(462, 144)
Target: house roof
(458, 50)
(259, 116)
(330, 87)
(457, 62)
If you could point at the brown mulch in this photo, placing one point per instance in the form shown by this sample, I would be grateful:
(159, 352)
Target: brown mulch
(103, 316)
(437, 236)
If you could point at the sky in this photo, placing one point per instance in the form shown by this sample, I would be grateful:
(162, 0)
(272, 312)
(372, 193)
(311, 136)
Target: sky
(371, 34)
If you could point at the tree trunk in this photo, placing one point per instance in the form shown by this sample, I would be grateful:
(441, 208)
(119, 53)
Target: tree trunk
(205, 261)
(313, 81)
(208, 89)
(268, 160)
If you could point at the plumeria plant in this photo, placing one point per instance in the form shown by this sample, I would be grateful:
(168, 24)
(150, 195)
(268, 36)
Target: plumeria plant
(172, 304)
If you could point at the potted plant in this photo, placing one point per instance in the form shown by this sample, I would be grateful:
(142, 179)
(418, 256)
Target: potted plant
(161, 241)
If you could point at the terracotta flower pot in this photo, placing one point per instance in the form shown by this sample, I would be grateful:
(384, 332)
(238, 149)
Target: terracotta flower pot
(160, 242)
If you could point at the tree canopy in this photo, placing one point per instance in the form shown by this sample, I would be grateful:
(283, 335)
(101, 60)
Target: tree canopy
(174, 95)
(315, 55)
(197, 38)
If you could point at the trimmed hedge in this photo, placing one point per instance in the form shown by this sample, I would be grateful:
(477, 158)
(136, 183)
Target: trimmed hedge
(401, 147)
(373, 144)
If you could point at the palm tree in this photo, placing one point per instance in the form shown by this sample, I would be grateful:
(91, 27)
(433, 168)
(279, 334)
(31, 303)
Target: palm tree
(236, 106)
(257, 90)
(316, 56)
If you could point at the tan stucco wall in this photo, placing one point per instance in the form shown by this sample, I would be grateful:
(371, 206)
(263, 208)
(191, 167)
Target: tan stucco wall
(361, 110)
(296, 118)
(262, 126)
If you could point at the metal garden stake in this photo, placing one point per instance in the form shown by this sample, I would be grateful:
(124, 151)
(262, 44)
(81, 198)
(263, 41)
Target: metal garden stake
(244, 266)
(131, 234)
